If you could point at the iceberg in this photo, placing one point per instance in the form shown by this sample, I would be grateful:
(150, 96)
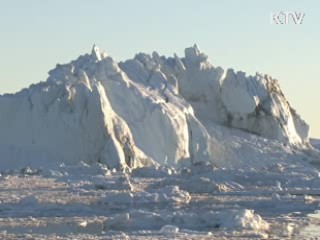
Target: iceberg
(149, 110)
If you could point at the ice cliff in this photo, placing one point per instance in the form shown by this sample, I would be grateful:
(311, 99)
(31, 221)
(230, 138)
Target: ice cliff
(147, 110)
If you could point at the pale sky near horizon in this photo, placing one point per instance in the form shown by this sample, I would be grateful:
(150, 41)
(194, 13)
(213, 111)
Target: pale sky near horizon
(38, 34)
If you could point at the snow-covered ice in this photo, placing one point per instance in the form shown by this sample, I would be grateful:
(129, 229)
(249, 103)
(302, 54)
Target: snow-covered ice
(248, 203)
(155, 147)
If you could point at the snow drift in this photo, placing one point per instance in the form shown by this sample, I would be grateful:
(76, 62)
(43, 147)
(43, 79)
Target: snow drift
(149, 110)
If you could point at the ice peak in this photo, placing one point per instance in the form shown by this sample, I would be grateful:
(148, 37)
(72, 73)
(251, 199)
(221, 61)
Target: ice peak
(196, 57)
(192, 51)
(97, 54)
(196, 47)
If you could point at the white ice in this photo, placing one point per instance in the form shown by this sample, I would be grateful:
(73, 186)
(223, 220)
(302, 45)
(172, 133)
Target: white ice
(154, 147)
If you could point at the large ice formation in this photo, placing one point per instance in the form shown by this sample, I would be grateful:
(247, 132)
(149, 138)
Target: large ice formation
(147, 110)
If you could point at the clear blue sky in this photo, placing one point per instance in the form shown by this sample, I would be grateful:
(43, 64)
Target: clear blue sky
(37, 34)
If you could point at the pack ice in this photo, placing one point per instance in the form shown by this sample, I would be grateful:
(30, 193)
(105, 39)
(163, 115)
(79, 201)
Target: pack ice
(150, 110)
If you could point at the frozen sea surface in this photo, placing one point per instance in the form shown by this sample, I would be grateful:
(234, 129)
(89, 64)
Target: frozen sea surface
(202, 202)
